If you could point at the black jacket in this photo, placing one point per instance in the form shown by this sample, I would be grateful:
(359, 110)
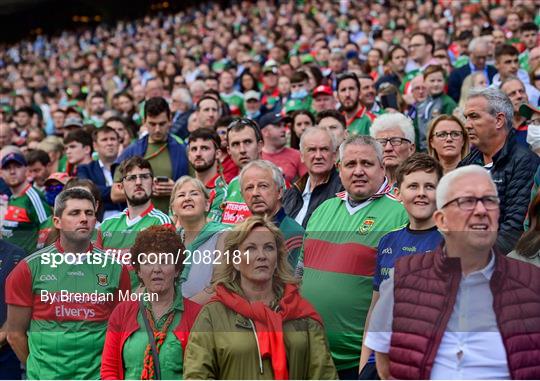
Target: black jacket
(293, 201)
(514, 167)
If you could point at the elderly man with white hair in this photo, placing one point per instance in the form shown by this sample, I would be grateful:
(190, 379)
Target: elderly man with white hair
(479, 54)
(459, 312)
(262, 185)
(489, 120)
(395, 132)
(318, 147)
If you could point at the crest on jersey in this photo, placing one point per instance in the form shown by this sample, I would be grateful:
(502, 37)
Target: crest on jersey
(103, 279)
(367, 226)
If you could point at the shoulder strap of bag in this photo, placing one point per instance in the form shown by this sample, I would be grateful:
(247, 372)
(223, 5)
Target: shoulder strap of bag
(151, 340)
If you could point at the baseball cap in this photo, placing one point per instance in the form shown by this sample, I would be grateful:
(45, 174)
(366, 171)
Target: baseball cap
(270, 66)
(61, 177)
(526, 110)
(294, 105)
(13, 157)
(73, 122)
(270, 118)
(252, 94)
(322, 89)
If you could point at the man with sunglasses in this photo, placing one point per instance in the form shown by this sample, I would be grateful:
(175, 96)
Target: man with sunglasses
(471, 298)
(119, 232)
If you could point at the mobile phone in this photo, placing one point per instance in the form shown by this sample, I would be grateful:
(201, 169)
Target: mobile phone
(162, 179)
(389, 101)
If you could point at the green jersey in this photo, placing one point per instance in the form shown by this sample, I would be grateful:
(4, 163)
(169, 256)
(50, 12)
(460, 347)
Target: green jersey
(217, 187)
(71, 299)
(339, 257)
(360, 123)
(119, 232)
(235, 100)
(235, 209)
(26, 222)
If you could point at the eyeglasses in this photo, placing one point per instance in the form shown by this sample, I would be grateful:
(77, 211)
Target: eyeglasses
(469, 202)
(394, 142)
(444, 134)
(245, 122)
(133, 178)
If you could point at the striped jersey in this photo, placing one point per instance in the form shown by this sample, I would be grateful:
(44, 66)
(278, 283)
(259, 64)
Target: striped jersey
(119, 233)
(26, 222)
(71, 300)
(339, 258)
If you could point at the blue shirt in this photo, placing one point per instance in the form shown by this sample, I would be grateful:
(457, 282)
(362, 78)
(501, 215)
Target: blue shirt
(10, 255)
(400, 243)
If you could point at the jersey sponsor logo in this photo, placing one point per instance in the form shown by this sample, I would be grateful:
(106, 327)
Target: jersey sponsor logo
(62, 311)
(75, 273)
(15, 213)
(367, 225)
(411, 249)
(47, 277)
(103, 279)
(235, 212)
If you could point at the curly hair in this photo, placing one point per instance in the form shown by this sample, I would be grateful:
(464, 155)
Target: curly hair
(158, 239)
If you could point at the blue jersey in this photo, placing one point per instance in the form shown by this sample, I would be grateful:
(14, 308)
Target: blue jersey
(400, 243)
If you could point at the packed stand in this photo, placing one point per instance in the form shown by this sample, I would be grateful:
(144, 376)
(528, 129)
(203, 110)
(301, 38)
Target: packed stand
(346, 190)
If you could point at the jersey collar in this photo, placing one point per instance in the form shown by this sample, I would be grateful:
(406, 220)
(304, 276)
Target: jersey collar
(60, 249)
(148, 210)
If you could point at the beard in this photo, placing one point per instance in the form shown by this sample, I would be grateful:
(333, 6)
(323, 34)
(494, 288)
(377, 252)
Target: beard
(350, 108)
(206, 165)
(136, 201)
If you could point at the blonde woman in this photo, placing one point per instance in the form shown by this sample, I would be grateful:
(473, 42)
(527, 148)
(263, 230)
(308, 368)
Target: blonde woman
(473, 80)
(201, 236)
(448, 141)
(257, 326)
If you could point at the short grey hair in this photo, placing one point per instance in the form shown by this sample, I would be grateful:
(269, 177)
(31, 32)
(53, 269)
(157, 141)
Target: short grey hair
(183, 95)
(476, 42)
(393, 120)
(188, 179)
(77, 193)
(362, 140)
(316, 129)
(277, 174)
(510, 79)
(497, 102)
(445, 184)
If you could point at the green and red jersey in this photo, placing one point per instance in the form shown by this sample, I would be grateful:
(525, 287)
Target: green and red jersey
(71, 302)
(26, 222)
(235, 209)
(217, 186)
(360, 123)
(339, 256)
(120, 231)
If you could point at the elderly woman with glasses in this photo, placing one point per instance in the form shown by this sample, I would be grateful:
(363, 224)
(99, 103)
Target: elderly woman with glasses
(448, 141)
(147, 333)
(257, 326)
(202, 237)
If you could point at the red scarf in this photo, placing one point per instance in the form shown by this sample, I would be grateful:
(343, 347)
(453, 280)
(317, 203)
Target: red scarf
(269, 323)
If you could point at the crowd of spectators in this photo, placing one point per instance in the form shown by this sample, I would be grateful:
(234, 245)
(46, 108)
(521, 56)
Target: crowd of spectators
(328, 140)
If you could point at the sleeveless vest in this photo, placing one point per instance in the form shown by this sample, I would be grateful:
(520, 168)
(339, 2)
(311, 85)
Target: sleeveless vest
(432, 282)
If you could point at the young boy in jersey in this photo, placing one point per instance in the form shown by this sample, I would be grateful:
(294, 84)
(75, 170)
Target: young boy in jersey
(417, 179)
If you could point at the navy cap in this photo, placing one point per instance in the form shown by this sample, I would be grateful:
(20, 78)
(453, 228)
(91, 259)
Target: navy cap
(13, 156)
(270, 118)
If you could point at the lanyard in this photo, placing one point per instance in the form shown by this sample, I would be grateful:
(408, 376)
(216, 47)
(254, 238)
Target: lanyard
(155, 154)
